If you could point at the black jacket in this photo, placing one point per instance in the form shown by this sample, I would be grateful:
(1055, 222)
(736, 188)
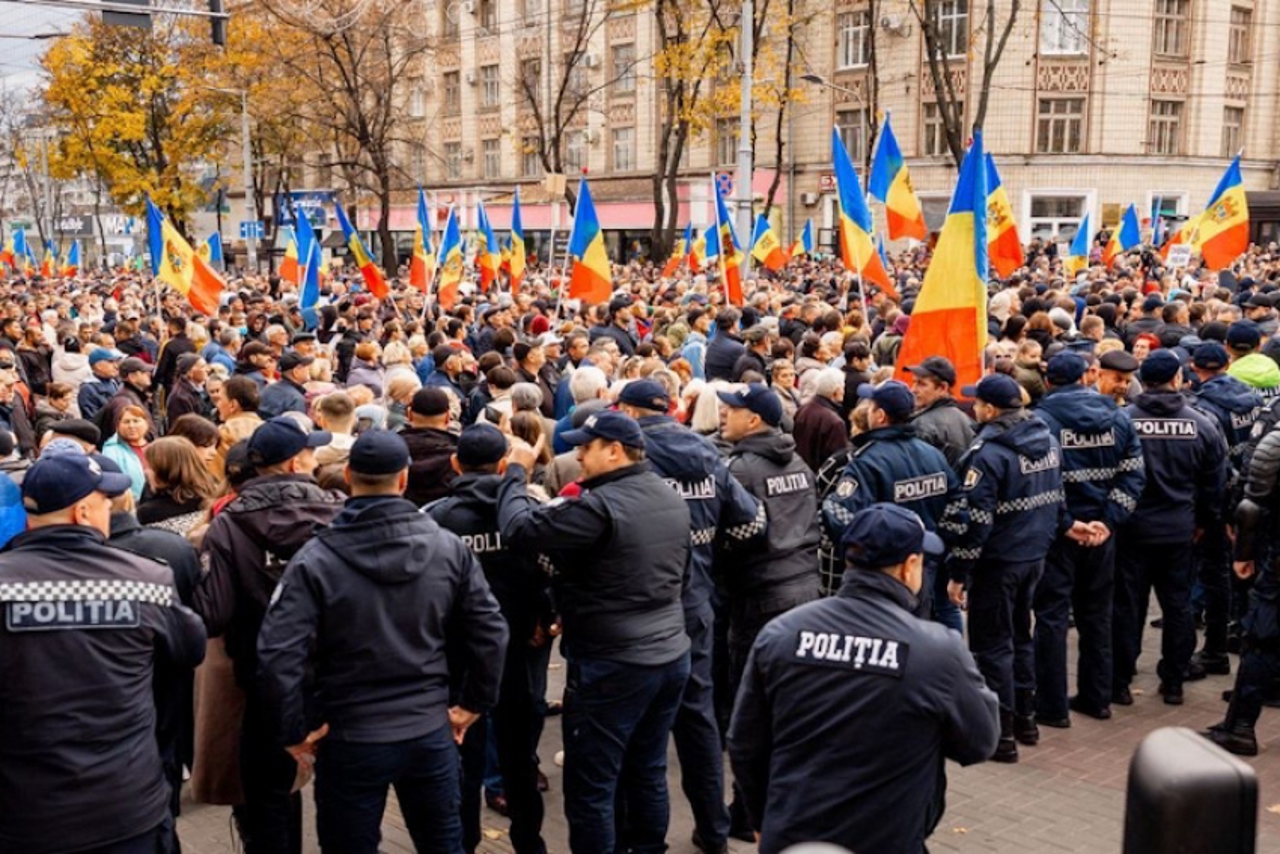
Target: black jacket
(722, 355)
(281, 397)
(859, 663)
(947, 427)
(1236, 406)
(86, 627)
(430, 471)
(786, 554)
(620, 552)
(367, 604)
(749, 360)
(186, 399)
(626, 343)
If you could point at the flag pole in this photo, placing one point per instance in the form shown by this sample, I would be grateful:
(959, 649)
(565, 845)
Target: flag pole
(724, 275)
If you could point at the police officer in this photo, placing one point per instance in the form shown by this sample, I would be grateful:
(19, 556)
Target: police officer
(1236, 407)
(620, 552)
(366, 628)
(1185, 460)
(718, 507)
(889, 464)
(1013, 488)
(849, 704)
(86, 627)
(1102, 477)
(471, 511)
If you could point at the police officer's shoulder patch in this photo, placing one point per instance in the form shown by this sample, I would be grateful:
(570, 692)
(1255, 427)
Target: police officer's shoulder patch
(971, 478)
(848, 486)
(882, 656)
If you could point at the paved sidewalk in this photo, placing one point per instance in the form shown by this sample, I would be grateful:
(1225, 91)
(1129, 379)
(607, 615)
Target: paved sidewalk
(1066, 795)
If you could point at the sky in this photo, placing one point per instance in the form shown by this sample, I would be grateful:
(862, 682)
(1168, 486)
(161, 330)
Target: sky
(20, 55)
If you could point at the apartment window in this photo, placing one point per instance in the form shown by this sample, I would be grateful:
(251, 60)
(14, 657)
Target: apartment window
(952, 20)
(490, 90)
(727, 141)
(575, 150)
(853, 48)
(1232, 130)
(417, 101)
(624, 68)
(1064, 26)
(531, 76)
(624, 149)
(575, 8)
(1060, 126)
(935, 129)
(452, 93)
(855, 132)
(1056, 217)
(577, 64)
(453, 160)
(1172, 27)
(491, 149)
(1165, 134)
(449, 20)
(1239, 48)
(530, 161)
(487, 15)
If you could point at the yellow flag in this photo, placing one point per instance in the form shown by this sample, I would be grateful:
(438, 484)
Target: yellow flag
(177, 265)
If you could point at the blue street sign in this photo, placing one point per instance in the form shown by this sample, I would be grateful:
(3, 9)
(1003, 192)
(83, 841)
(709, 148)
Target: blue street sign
(251, 228)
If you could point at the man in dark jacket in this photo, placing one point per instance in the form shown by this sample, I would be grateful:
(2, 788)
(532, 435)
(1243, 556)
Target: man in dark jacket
(447, 371)
(470, 510)
(289, 393)
(187, 395)
(719, 508)
(94, 394)
(1185, 458)
(1013, 491)
(177, 346)
(621, 551)
(431, 446)
(1102, 477)
(80, 767)
(725, 347)
(246, 548)
(530, 359)
(367, 629)
(617, 325)
(840, 666)
(939, 420)
(755, 357)
(819, 429)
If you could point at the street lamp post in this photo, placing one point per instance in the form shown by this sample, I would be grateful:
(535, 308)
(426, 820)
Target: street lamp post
(250, 209)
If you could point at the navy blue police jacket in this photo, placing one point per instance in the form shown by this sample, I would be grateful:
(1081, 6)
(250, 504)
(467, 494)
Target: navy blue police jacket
(86, 625)
(1236, 407)
(847, 710)
(362, 613)
(1013, 495)
(1102, 472)
(1185, 458)
(717, 503)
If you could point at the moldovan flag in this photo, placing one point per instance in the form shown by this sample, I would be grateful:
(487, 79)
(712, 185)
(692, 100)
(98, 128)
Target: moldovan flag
(488, 255)
(310, 296)
(765, 246)
(290, 269)
(155, 236)
(856, 249)
(950, 315)
(515, 246)
(890, 182)
(7, 255)
(1186, 234)
(49, 266)
(71, 266)
(187, 273)
(449, 262)
(682, 248)
(1124, 238)
(422, 266)
(723, 243)
(1224, 226)
(373, 279)
(698, 253)
(592, 279)
(1005, 246)
(1078, 255)
(804, 243)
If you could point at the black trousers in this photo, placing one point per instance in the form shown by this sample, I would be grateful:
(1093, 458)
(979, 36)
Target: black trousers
(1079, 578)
(1213, 570)
(1140, 568)
(270, 819)
(1000, 602)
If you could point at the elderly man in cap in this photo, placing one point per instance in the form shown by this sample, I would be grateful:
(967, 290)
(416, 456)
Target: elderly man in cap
(448, 369)
(1116, 369)
(755, 358)
(1013, 488)
(1185, 458)
(621, 552)
(246, 548)
(859, 663)
(362, 632)
(80, 767)
(1102, 477)
(94, 394)
(938, 419)
(289, 393)
(187, 395)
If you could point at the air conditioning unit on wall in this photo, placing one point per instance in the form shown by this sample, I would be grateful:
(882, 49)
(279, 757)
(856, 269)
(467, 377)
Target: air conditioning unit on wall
(808, 199)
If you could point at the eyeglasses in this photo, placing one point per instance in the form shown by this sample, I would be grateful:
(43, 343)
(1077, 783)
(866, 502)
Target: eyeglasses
(7, 366)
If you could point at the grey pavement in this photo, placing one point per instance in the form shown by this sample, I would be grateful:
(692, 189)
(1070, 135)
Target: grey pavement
(1066, 795)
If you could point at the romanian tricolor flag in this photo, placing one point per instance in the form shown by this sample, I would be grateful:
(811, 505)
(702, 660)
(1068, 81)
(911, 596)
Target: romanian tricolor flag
(1078, 255)
(765, 246)
(449, 263)
(1224, 226)
(1124, 238)
(7, 255)
(804, 243)
(950, 315)
(890, 182)
(856, 249)
(290, 265)
(488, 253)
(516, 262)
(71, 265)
(422, 266)
(679, 252)
(49, 266)
(722, 243)
(592, 278)
(185, 271)
(373, 279)
(1005, 245)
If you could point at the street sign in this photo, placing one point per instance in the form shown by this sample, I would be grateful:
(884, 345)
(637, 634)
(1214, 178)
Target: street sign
(1180, 255)
(724, 181)
(251, 229)
(827, 182)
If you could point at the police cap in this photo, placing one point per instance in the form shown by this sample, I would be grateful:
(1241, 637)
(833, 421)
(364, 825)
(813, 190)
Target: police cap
(999, 390)
(886, 535)
(481, 445)
(610, 425)
(893, 397)
(757, 397)
(645, 394)
(1211, 356)
(282, 439)
(378, 452)
(1159, 368)
(1065, 368)
(55, 483)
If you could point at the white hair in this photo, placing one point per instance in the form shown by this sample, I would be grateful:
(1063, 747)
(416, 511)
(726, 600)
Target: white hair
(586, 383)
(828, 382)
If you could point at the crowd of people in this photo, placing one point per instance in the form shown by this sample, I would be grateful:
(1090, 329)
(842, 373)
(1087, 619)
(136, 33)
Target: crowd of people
(242, 547)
